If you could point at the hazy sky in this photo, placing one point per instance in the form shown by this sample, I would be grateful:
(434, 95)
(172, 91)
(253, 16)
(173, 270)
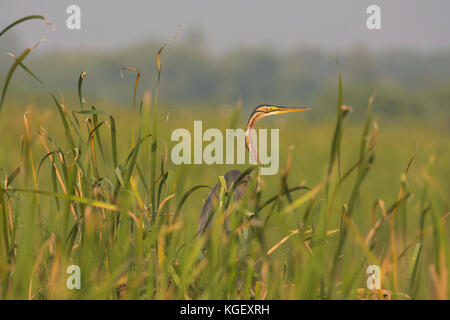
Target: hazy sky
(330, 24)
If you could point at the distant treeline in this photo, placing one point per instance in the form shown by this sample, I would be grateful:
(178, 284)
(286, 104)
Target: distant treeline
(406, 82)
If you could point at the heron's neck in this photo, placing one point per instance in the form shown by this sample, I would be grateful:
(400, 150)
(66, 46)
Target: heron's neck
(250, 134)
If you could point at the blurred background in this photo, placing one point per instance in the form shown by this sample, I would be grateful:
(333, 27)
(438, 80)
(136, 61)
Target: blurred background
(257, 51)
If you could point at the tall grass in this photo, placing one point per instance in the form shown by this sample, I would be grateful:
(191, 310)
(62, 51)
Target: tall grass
(126, 217)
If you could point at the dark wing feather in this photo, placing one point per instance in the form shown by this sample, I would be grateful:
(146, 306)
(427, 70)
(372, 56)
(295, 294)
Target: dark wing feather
(211, 202)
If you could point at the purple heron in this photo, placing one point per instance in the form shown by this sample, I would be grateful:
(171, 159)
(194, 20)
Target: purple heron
(260, 112)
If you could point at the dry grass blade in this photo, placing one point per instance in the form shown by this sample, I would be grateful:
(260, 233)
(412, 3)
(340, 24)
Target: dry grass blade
(164, 201)
(138, 76)
(158, 56)
(293, 232)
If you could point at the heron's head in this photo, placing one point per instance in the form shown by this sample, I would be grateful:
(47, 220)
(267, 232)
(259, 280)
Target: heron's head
(263, 111)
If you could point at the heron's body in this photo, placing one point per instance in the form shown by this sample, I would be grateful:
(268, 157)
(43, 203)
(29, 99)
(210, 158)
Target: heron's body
(213, 197)
(258, 113)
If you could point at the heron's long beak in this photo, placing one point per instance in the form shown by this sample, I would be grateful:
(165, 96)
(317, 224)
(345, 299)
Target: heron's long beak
(281, 110)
